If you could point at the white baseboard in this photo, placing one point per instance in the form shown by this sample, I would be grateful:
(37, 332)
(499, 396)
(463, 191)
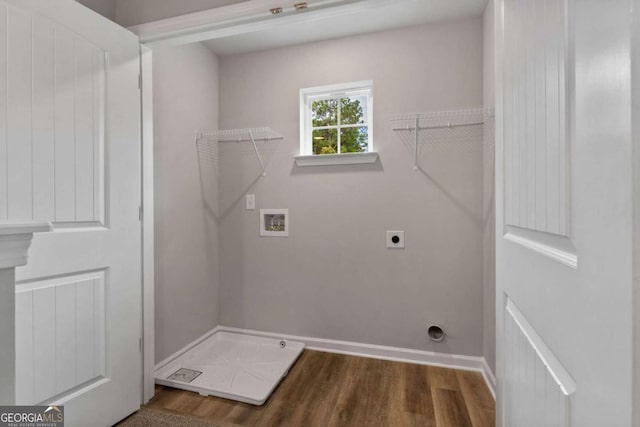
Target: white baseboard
(396, 354)
(489, 377)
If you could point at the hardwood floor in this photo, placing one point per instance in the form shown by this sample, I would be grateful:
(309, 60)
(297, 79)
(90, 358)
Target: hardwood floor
(324, 389)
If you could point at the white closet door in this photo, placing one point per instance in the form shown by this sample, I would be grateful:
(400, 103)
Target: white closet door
(70, 154)
(564, 193)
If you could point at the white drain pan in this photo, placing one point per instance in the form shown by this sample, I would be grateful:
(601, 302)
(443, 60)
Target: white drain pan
(240, 367)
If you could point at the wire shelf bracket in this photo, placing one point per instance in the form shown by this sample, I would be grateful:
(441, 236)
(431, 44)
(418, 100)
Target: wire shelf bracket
(252, 135)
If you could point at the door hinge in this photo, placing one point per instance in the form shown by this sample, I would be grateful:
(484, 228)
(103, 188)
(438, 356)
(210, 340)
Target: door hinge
(140, 344)
(140, 213)
(140, 81)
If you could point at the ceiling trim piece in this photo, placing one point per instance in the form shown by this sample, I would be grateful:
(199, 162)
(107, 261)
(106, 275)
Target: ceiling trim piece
(242, 18)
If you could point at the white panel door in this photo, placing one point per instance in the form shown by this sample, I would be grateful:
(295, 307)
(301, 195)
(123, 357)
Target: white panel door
(70, 154)
(564, 213)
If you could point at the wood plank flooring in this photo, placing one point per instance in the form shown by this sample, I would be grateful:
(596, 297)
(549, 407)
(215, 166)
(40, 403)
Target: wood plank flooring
(324, 389)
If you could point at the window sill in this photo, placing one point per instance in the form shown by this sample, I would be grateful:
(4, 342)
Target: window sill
(337, 159)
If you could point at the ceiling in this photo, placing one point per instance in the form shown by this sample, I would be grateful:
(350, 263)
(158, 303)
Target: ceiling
(135, 12)
(401, 13)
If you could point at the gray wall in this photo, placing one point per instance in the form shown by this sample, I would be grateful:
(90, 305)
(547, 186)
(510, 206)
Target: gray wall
(185, 86)
(106, 8)
(443, 212)
(489, 222)
(133, 12)
(333, 277)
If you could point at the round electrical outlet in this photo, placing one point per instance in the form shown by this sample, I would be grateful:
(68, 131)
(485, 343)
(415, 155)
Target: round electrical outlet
(395, 239)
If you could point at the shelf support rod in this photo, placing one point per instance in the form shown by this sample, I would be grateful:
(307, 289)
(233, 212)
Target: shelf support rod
(255, 147)
(415, 150)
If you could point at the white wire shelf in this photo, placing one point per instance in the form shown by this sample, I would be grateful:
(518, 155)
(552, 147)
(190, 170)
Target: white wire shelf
(438, 120)
(252, 135)
(241, 135)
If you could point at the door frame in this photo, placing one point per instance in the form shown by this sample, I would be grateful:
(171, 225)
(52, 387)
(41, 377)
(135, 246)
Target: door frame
(499, 194)
(147, 345)
(635, 135)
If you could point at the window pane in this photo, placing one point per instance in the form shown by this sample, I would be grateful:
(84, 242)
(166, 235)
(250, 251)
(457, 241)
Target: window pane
(354, 140)
(325, 141)
(324, 113)
(353, 110)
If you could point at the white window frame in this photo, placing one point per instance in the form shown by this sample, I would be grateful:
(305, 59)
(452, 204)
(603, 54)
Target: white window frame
(308, 95)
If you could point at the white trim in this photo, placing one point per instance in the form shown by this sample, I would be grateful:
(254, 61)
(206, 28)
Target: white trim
(373, 351)
(556, 247)
(338, 88)
(396, 354)
(499, 192)
(555, 368)
(52, 282)
(83, 389)
(242, 18)
(489, 377)
(337, 159)
(11, 227)
(148, 274)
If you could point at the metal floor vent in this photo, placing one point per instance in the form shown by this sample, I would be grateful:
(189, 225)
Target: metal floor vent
(184, 375)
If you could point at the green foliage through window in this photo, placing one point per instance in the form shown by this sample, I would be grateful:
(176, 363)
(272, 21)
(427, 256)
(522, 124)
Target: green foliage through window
(339, 125)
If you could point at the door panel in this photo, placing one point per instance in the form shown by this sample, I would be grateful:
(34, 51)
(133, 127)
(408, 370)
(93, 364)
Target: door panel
(72, 155)
(537, 171)
(61, 336)
(55, 135)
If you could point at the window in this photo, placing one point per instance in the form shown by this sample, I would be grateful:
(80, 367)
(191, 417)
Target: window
(336, 119)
